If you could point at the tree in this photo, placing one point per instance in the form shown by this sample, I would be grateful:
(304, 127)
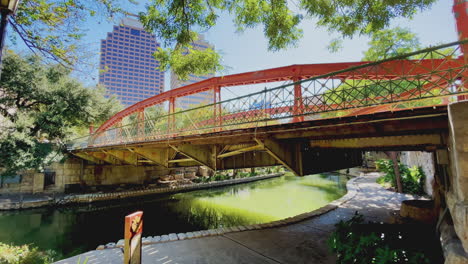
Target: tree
(53, 29)
(41, 106)
(385, 44)
(177, 22)
(391, 43)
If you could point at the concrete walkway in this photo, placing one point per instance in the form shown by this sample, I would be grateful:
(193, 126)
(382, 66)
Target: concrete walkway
(303, 242)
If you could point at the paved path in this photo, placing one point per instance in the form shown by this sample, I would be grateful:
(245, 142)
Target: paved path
(303, 242)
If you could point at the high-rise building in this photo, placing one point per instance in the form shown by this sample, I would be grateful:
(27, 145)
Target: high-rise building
(127, 66)
(199, 98)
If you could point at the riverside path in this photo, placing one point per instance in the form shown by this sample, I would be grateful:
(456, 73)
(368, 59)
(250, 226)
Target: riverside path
(301, 242)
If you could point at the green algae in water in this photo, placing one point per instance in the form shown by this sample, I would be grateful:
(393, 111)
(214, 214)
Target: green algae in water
(76, 229)
(260, 202)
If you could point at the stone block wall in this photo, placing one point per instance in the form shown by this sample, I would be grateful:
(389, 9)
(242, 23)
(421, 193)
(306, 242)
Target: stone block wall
(25, 186)
(76, 171)
(456, 189)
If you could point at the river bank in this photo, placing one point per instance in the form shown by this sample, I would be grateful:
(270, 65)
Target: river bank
(29, 201)
(300, 239)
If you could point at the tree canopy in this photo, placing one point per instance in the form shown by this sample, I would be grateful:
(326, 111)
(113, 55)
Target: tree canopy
(391, 43)
(54, 28)
(386, 44)
(177, 22)
(40, 107)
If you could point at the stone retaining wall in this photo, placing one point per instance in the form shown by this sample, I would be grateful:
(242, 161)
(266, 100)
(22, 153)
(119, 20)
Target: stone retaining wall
(99, 197)
(89, 198)
(352, 191)
(26, 204)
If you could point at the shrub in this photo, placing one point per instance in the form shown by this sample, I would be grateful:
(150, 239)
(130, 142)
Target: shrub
(412, 179)
(220, 177)
(24, 254)
(243, 174)
(197, 180)
(353, 243)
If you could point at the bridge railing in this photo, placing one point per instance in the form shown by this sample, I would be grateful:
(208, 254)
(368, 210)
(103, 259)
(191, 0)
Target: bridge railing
(429, 77)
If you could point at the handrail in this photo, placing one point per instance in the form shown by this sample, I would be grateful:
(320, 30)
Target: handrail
(337, 93)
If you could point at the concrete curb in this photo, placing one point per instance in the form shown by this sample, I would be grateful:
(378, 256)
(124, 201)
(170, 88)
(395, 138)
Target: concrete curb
(351, 186)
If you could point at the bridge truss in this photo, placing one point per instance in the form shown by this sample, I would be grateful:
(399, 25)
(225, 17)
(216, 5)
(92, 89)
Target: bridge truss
(431, 77)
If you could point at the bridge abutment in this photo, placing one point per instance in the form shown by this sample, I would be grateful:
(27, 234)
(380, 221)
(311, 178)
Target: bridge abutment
(457, 187)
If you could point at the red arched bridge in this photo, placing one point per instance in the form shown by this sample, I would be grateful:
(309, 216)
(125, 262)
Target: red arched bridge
(319, 113)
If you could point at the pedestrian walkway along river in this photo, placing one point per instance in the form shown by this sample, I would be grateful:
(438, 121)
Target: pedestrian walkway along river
(301, 242)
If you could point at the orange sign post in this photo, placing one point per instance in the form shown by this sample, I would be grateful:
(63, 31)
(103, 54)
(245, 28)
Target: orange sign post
(132, 235)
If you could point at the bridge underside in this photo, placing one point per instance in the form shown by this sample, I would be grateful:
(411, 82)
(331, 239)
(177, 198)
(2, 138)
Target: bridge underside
(304, 148)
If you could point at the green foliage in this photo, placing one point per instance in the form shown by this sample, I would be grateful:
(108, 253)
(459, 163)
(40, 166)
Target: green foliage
(84, 261)
(40, 107)
(372, 91)
(412, 179)
(220, 177)
(54, 29)
(189, 61)
(24, 254)
(390, 43)
(178, 22)
(385, 44)
(175, 22)
(353, 245)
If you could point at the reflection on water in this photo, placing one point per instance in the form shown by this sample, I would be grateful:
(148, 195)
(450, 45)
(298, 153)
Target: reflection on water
(70, 231)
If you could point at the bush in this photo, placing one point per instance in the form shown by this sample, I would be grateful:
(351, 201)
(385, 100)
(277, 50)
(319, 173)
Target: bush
(412, 179)
(220, 177)
(354, 243)
(24, 254)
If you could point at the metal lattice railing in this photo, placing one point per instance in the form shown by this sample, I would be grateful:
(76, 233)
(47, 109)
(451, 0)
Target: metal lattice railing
(430, 77)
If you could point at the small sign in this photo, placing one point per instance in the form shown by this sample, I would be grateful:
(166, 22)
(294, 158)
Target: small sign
(132, 235)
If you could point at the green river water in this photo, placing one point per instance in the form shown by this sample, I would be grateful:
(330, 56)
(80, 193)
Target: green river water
(73, 230)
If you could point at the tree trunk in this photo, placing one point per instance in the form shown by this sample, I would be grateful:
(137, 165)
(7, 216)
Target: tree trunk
(396, 169)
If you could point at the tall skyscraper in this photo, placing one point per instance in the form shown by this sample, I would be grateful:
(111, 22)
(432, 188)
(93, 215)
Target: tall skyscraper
(199, 98)
(127, 66)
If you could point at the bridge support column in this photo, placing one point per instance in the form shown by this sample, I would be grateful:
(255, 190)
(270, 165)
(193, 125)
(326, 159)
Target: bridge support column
(457, 195)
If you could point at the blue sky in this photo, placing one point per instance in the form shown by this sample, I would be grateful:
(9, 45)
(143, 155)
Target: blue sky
(248, 51)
